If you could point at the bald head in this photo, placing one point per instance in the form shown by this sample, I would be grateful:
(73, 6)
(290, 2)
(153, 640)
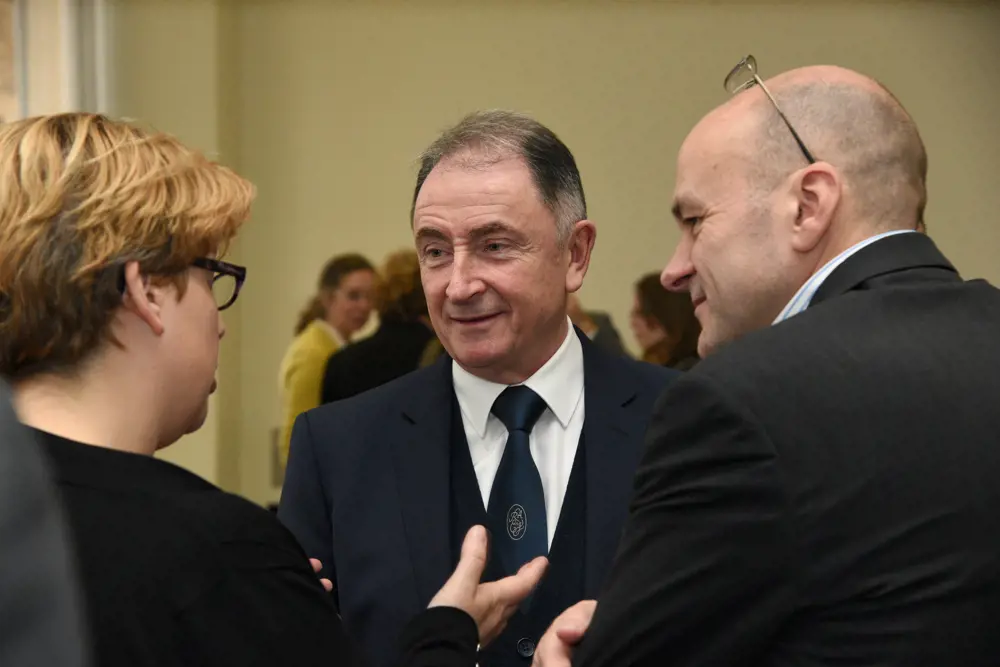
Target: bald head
(851, 122)
(757, 220)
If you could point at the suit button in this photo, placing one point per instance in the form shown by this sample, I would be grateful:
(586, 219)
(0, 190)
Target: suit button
(525, 648)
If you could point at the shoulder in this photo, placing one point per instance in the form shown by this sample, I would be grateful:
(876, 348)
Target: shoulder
(216, 520)
(370, 407)
(311, 341)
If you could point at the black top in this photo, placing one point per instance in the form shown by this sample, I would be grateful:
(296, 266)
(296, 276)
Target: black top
(824, 491)
(392, 351)
(177, 572)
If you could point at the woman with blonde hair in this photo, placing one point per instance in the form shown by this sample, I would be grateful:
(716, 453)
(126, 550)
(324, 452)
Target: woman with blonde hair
(402, 336)
(111, 287)
(340, 308)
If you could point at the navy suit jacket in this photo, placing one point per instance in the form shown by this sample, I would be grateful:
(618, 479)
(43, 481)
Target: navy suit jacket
(367, 487)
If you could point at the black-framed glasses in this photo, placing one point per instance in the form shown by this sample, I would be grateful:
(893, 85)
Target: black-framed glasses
(744, 76)
(227, 281)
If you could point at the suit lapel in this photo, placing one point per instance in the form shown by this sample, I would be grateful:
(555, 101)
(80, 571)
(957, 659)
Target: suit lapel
(610, 440)
(421, 460)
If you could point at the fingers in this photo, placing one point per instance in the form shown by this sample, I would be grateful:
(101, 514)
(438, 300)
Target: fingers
(460, 589)
(511, 590)
(327, 584)
(572, 624)
(474, 552)
(316, 565)
(556, 647)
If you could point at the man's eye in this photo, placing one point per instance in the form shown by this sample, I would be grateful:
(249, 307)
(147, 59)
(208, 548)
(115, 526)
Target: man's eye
(495, 246)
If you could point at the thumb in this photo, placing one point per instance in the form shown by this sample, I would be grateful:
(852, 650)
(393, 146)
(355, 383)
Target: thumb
(474, 553)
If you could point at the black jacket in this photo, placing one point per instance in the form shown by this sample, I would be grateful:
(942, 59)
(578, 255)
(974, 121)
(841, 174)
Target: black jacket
(825, 491)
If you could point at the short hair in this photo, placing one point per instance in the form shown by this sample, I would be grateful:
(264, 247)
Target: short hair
(495, 135)
(334, 271)
(865, 133)
(400, 294)
(80, 196)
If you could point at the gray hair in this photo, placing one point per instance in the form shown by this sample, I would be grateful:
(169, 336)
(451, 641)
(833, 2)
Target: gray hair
(495, 135)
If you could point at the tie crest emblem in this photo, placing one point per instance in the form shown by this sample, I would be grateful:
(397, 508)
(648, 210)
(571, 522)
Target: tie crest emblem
(517, 522)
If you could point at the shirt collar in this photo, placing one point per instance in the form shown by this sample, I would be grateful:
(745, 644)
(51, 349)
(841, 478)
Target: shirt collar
(805, 295)
(559, 382)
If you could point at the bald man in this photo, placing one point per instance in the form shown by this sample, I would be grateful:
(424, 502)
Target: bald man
(824, 488)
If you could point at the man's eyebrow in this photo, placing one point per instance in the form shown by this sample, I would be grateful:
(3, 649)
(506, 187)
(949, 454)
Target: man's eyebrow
(492, 228)
(430, 234)
(682, 203)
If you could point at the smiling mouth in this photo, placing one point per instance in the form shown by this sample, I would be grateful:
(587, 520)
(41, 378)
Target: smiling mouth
(475, 320)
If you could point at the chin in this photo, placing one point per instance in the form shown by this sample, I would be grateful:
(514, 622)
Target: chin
(477, 356)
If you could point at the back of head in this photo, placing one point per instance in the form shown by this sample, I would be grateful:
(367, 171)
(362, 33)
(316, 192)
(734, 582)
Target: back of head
(80, 196)
(858, 126)
(399, 295)
(484, 138)
(333, 273)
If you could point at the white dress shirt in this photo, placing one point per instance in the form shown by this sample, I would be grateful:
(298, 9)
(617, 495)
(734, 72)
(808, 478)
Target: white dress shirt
(805, 295)
(556, 434)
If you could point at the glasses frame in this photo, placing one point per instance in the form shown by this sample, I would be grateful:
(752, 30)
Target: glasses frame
(749, 64)
(221, 268)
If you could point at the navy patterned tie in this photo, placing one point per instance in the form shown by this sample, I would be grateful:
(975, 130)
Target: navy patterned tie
(517, 501)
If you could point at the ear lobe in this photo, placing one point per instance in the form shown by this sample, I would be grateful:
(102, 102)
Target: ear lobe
(580, 244)
(141, 297)
(819, 192)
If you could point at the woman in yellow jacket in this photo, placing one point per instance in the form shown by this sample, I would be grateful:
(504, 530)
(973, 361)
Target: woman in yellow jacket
(340, 308)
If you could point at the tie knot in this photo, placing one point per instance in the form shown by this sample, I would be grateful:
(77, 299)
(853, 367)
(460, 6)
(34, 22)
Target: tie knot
(518, 408)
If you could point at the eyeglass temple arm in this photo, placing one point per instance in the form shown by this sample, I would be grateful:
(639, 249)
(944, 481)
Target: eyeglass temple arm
(795, 135)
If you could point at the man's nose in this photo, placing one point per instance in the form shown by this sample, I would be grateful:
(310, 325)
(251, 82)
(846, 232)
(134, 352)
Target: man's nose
(677, 274)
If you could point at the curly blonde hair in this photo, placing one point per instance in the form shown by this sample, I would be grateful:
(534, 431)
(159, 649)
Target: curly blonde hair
(80, 196)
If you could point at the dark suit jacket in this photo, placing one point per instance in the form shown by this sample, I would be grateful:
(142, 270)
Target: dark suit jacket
(392, 351)
(41, 620)
(176, 572)
(825, 491)
(607, 335)
(367, 486)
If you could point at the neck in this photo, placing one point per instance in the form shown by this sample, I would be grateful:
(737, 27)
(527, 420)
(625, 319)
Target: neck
(95, 407)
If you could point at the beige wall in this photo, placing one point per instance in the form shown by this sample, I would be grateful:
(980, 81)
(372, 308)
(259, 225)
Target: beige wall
(326, 104)
(169, 62)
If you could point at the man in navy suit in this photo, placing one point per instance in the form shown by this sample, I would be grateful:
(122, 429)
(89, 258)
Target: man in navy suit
(526, 427)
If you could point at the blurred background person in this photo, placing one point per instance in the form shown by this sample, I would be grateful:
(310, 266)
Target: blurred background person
(596, 325)
(664, 324)
(340, 308)
(396, 347)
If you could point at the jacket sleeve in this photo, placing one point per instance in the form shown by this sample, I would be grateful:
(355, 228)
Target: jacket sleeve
(305, 502)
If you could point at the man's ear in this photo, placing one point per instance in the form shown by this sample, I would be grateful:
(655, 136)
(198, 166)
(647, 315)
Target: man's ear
(143, 298)
(818, 188)
(579, 244)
